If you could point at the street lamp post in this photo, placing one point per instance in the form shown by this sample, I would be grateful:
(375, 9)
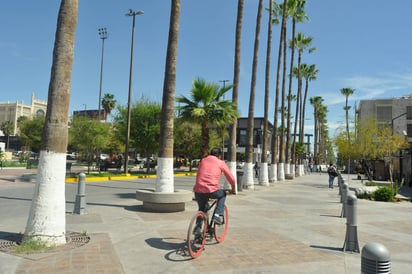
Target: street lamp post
(223, 137)
(126, 154)
(103, 35)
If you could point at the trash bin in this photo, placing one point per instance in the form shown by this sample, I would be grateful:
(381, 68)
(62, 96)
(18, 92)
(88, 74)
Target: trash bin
(239, 175)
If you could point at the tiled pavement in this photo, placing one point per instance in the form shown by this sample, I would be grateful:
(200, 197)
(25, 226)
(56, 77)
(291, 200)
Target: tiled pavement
(289, 227)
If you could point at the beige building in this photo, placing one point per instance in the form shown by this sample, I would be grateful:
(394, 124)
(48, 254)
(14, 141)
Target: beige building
(11, 111)
(397, 113)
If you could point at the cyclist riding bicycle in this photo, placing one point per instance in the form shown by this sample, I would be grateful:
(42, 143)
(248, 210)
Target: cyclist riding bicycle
(207, 182)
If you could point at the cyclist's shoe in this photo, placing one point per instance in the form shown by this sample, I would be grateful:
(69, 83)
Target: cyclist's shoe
(218, 220)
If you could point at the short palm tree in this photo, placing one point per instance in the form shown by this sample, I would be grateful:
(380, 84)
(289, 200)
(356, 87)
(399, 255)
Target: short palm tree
(108, 104)
(206, 106)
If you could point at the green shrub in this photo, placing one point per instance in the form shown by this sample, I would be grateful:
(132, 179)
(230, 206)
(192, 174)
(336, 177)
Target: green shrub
(384, 194)
(371, 183)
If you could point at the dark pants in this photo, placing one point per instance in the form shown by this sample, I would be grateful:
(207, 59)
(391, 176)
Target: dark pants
(202, 199)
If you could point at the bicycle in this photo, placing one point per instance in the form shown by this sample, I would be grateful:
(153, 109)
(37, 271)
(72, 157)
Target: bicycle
(202, 228)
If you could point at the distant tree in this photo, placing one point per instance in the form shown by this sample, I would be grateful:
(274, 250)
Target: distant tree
(372, 142)
(145, 125)
(87, 135)
(31, 132)
(108, 104)
(8, 129)
(205, 107)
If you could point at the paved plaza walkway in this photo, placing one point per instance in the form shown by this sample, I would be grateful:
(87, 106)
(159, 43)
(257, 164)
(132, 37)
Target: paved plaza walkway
(293, 226)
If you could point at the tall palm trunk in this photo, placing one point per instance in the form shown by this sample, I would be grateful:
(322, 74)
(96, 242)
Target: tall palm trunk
(47, 217)
(165, 178)
(264, 176)
(235, 92)
(248, 168)
(278, 172)
(281, 167)
(290, 154)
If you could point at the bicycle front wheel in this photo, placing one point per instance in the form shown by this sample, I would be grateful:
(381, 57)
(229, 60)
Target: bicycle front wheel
(196, 234)
(221, 230)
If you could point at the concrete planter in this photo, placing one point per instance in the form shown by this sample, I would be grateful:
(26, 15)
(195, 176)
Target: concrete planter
(163, 202)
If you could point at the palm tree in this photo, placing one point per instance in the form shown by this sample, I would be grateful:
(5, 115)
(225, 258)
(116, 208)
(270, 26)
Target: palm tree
(302, 43)
(279, 10)
(164, 179)
(309, 73)
(235, 93)
(347, 92)
(264, 176)
(296, 11)
(47, 217)
(108, 104)
(248, 167)
(316, 102)
(8, 129)
(205, 107)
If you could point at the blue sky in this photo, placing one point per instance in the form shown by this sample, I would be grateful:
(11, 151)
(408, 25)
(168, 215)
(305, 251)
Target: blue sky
(364, 45)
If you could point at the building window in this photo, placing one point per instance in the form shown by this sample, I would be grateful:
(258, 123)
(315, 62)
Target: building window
(384, 114)
(40, 113)
(409, 113)
(242, 137)
(409, 130)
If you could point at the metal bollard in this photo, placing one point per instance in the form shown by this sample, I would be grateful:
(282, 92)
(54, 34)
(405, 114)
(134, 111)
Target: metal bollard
(340, 182)
(340, 189)
(375, 259)
(239, 175)
(351, 238)
(344, 197)
(80, 204)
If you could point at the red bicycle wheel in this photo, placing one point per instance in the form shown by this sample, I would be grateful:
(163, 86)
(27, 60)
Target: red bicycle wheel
(221, 230)
(196, 234)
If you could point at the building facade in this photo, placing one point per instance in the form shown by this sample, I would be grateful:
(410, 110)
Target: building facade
(11, 111)
(396, 113)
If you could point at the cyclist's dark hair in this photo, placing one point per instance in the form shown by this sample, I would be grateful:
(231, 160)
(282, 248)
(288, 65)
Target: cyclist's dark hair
(216, 152)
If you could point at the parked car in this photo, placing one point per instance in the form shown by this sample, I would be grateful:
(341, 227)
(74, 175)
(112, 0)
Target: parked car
(71, 156)
(111, 162)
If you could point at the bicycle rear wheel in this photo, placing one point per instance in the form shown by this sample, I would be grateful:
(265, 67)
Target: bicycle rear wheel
(221, 230)
(196, 234)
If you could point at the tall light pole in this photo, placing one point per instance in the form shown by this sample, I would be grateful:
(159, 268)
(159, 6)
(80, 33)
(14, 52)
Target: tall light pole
(223, 136)
(103, 35)
(126, 154)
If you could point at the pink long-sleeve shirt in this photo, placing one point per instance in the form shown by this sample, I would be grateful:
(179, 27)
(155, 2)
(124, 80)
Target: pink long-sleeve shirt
(208, 175)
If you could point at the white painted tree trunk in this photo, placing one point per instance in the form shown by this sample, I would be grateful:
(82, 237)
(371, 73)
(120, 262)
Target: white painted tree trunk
(287, 168)
(232, 167)
(248, 173)
(263, 175)
(281, 171)
(47, 220)
(165, 176)
(301, 170)
(292, 170)
(273, 173)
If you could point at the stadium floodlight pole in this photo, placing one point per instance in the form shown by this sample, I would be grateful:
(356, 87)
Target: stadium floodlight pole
(126, 153)
(103, 35)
